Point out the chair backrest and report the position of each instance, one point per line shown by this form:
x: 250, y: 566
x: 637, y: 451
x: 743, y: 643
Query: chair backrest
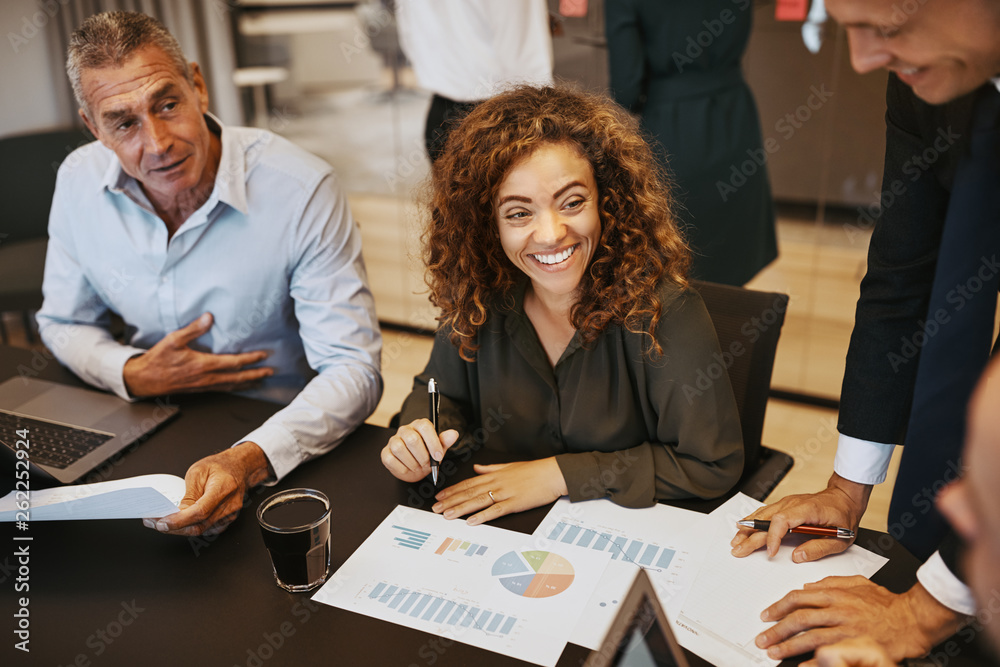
x: 748, y: 324
x: 28, y: 165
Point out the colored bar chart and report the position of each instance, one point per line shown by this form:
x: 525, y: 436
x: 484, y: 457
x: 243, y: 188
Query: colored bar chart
x: 633, y: 551
x: 428, y: 607
x: 452, y: 544
x: 411, y: 539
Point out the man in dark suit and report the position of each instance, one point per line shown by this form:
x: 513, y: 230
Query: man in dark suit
x: 946, y: 54
x: 972, y: 506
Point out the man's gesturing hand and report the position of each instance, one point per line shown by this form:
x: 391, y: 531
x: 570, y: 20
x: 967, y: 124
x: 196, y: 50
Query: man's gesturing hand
x: 171, y: 366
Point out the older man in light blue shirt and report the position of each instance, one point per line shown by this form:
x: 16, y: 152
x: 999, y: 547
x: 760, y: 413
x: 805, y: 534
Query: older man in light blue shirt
x: 230, y: 254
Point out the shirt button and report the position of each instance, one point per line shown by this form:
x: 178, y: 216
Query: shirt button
x: 163, y: 280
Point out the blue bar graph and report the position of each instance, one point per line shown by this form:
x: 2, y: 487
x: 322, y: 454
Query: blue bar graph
x: 648, y: 554
x: 396, y: 599
x: 571, y: 534
x: 412, y: 539
x: 428, y: 606
x: 444, y: 612
x: 433, y: 608
x: 633, y: 551
x: 495, y: 623
x: 618, y: 547
x: 409, y: 603
x: 557, y: 531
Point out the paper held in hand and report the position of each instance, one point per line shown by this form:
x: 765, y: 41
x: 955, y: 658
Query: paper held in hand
x: 147, y: 496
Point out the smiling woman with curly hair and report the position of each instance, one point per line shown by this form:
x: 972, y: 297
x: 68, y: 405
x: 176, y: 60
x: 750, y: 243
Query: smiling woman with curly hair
x: 570, y: 342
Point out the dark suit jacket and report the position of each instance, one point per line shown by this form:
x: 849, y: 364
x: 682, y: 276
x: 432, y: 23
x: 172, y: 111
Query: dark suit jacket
x: 924, y: 144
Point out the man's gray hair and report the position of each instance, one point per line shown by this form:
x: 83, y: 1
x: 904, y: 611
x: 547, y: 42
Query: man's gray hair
x: 111, y: 38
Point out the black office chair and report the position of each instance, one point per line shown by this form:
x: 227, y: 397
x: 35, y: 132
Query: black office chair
x: 28, y: 165
x: 748, y: 324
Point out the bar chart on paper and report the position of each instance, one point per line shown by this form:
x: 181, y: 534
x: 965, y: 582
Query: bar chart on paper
x: 477, y: 585
x: 646, y: 555
x: 659, y: 539
x: 429, y: 606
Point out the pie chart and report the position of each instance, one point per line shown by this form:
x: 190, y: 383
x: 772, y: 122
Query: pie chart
x: 533, y: 574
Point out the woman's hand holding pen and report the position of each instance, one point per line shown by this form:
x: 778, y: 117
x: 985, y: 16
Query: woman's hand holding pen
x: 501, y: 489
x: 408, y: 454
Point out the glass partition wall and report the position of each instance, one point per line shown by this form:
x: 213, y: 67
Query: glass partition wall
x: 345, y: 92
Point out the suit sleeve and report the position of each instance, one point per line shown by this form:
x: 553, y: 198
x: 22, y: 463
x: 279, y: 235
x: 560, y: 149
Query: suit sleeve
x: 882, y: 357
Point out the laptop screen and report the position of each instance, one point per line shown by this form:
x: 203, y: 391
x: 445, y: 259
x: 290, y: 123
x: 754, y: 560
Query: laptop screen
x: 640, y: 635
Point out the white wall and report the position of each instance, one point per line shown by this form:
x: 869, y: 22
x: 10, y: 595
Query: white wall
x: 28, y: 93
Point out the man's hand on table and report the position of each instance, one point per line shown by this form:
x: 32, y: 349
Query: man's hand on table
x: 838, y: 608
x: 841, y: 504
x: 171, y: 366
x: 217, y: 486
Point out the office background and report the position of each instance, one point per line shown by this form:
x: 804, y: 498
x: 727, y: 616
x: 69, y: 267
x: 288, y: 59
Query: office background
x: 330, y: 76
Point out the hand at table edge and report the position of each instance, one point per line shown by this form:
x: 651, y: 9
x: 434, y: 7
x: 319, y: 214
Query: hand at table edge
x: 907, y: 625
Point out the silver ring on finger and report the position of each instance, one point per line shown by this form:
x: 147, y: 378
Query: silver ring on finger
x: 491, y: 497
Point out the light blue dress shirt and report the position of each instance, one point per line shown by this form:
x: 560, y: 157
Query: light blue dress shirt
x: 274, y: 255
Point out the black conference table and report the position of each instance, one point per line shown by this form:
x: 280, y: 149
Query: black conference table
x: 116, y: 593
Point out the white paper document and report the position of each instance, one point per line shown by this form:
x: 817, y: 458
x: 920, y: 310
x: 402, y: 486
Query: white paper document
x: 712, y: 599
x: 499, y: 590
x: 664, y: 541
x: 147, y: 496
x: 721, y: 616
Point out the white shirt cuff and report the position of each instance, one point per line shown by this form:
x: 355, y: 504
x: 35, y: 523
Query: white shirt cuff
x: 280, y: 448
x: 862, y: 461
x: 112, y: 367
x: 945, y: 587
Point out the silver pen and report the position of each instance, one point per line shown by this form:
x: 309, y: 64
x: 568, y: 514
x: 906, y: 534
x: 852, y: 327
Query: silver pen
x: 435, y: 400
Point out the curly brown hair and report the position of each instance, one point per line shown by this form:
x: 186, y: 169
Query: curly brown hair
x: 640, y: 245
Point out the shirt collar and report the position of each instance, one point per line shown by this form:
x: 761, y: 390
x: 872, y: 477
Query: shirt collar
x: 996, y: 82
x: 230, y: 181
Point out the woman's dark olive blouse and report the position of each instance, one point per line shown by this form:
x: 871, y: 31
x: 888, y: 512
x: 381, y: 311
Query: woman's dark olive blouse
x: 622, y: 425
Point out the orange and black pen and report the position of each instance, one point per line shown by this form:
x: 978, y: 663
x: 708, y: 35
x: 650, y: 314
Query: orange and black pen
x: 804, y: 529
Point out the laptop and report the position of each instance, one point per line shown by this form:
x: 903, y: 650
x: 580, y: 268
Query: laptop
x: 70, y: 430
x: 640, y: 635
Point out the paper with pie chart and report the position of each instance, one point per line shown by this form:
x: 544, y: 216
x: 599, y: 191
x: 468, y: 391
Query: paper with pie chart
x: 662, y: 540
x: 497, y: 589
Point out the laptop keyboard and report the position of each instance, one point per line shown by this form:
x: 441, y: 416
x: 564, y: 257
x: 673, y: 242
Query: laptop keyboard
x: 53, y: 445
